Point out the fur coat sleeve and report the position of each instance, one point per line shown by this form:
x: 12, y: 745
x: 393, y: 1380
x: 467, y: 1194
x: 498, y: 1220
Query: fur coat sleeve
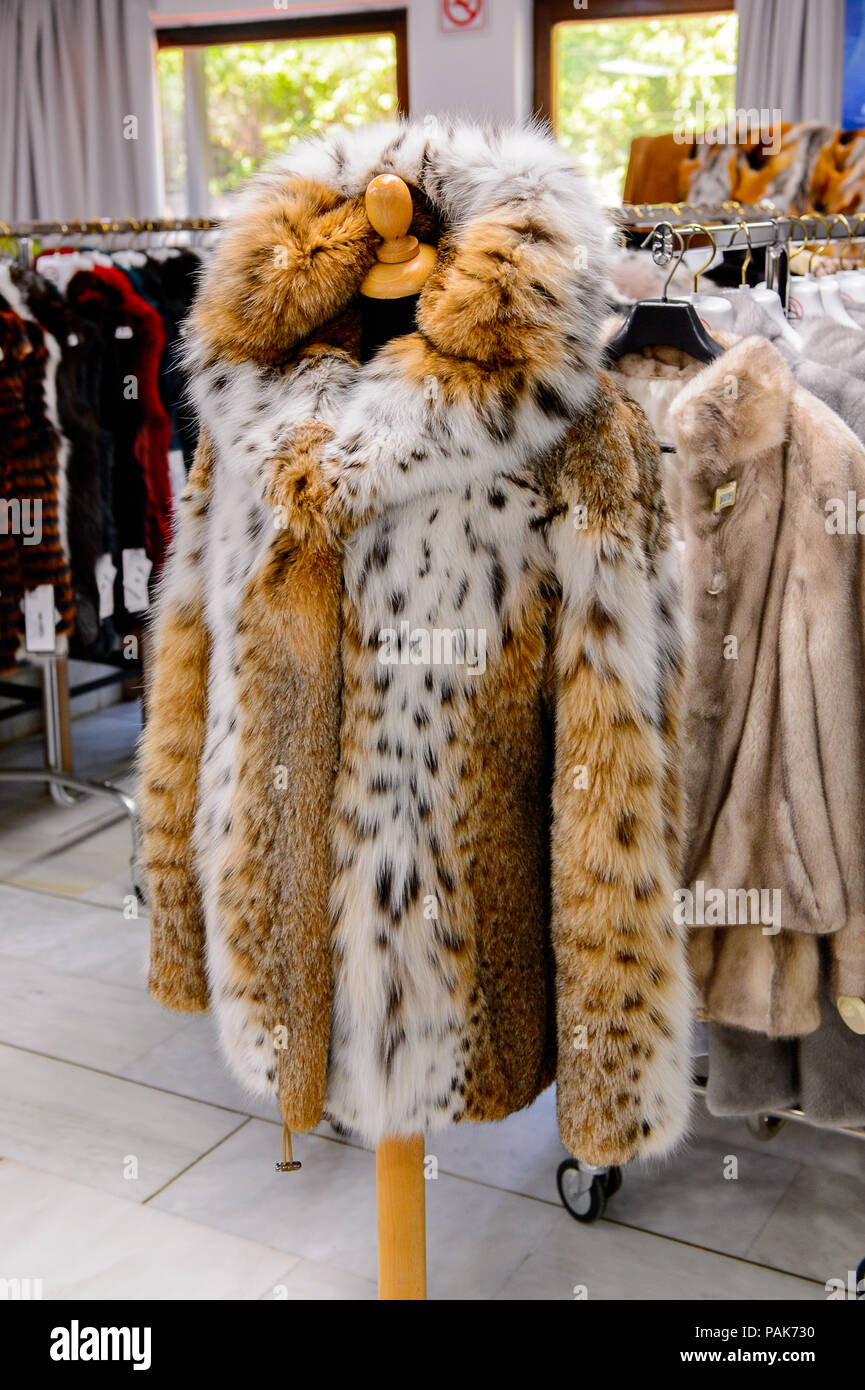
x: 172, y: 749
x: 824, y: 631
x: 623, y: 1001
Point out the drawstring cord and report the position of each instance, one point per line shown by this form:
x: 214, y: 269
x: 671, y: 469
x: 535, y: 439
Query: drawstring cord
x: 290, y: 1164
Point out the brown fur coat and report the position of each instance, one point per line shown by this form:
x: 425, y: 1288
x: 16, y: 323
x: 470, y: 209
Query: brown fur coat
x: 407, y: 878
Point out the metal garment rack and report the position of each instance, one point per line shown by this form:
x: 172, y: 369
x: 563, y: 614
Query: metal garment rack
x: 26, y: 233
x: 728, y: 225
x: 65, y: 787
x: 726, y: 220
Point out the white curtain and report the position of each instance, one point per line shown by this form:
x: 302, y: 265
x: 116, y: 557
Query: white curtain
x: 78, y: 130
x: 791, y: 58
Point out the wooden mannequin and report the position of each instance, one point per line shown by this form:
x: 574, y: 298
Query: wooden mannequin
x: 403, y: 264
x: 389, y: 297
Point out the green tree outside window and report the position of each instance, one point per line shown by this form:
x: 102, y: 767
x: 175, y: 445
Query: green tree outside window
x: 617, y: 79
x: 261, y: 98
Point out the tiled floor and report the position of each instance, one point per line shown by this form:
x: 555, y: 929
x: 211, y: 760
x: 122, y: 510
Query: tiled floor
x: 134, y: 1166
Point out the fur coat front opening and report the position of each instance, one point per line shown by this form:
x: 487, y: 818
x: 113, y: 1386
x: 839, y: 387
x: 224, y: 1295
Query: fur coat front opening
x: 415, y: 889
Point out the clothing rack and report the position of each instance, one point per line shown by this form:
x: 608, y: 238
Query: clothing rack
x: 726, y: 222
x: 101, y: 226
x: 733, y: 225
x: 65, y: 788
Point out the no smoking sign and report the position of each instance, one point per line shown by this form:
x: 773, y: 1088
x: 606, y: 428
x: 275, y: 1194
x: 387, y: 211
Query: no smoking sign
x: 457, y: 16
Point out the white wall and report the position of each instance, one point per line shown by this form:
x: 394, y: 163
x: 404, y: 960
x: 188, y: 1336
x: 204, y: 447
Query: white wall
x: 483, y: 73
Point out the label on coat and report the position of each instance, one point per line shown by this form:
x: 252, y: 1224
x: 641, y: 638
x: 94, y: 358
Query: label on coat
x: 105, y: 571
x: 39, y: 635
x: 136, y: 572
x: 176, y: 471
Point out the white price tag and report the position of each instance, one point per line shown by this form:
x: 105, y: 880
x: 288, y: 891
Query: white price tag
x: 106, y: 572
x: 123, y: 331
x: 136, y: 572
x: 39, y: 635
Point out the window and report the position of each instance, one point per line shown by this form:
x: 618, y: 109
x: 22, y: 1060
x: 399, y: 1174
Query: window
x: 233, y: 97
x: 854, y: 65
x: 607, y: 79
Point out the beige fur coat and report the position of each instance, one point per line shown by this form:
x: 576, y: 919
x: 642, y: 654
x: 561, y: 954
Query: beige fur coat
x: 775, y: 726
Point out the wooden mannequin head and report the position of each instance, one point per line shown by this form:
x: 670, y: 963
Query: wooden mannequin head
x: 403, y: 264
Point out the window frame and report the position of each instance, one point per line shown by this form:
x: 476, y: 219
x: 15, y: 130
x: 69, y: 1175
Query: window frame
x: 549, y: 13
x: 194, y: 38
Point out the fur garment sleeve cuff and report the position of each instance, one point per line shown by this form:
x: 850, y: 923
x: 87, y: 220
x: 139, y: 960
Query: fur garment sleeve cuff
x: 299, y: 487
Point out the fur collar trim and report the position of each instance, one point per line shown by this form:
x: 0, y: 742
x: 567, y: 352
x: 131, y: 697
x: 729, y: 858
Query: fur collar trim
x: 726, y: 414
x: 735, y: 410
x: 507, y: 347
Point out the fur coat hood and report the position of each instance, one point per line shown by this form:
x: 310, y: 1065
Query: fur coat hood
x: 775, y: 727
x: 410, y: 779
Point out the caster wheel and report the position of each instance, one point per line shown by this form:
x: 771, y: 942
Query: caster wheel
x: 765, y: 1127
x: 583, y: 1194
x: 860, y: 1281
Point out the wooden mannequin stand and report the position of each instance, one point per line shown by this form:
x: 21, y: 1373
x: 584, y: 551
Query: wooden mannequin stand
x: 401, y: 1198
x: 390, y: 292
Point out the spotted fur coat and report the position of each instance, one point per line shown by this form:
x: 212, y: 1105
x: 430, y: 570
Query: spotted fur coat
x: 406, y: 876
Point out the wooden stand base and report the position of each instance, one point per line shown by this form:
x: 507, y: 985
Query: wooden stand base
x: 401, y: 1196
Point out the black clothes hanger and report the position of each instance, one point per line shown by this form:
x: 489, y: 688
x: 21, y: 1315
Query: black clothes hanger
x: 672, y: 323
x: 669, y: 323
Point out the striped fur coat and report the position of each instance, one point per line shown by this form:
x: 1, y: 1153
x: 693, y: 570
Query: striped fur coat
x: 410, y: 782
